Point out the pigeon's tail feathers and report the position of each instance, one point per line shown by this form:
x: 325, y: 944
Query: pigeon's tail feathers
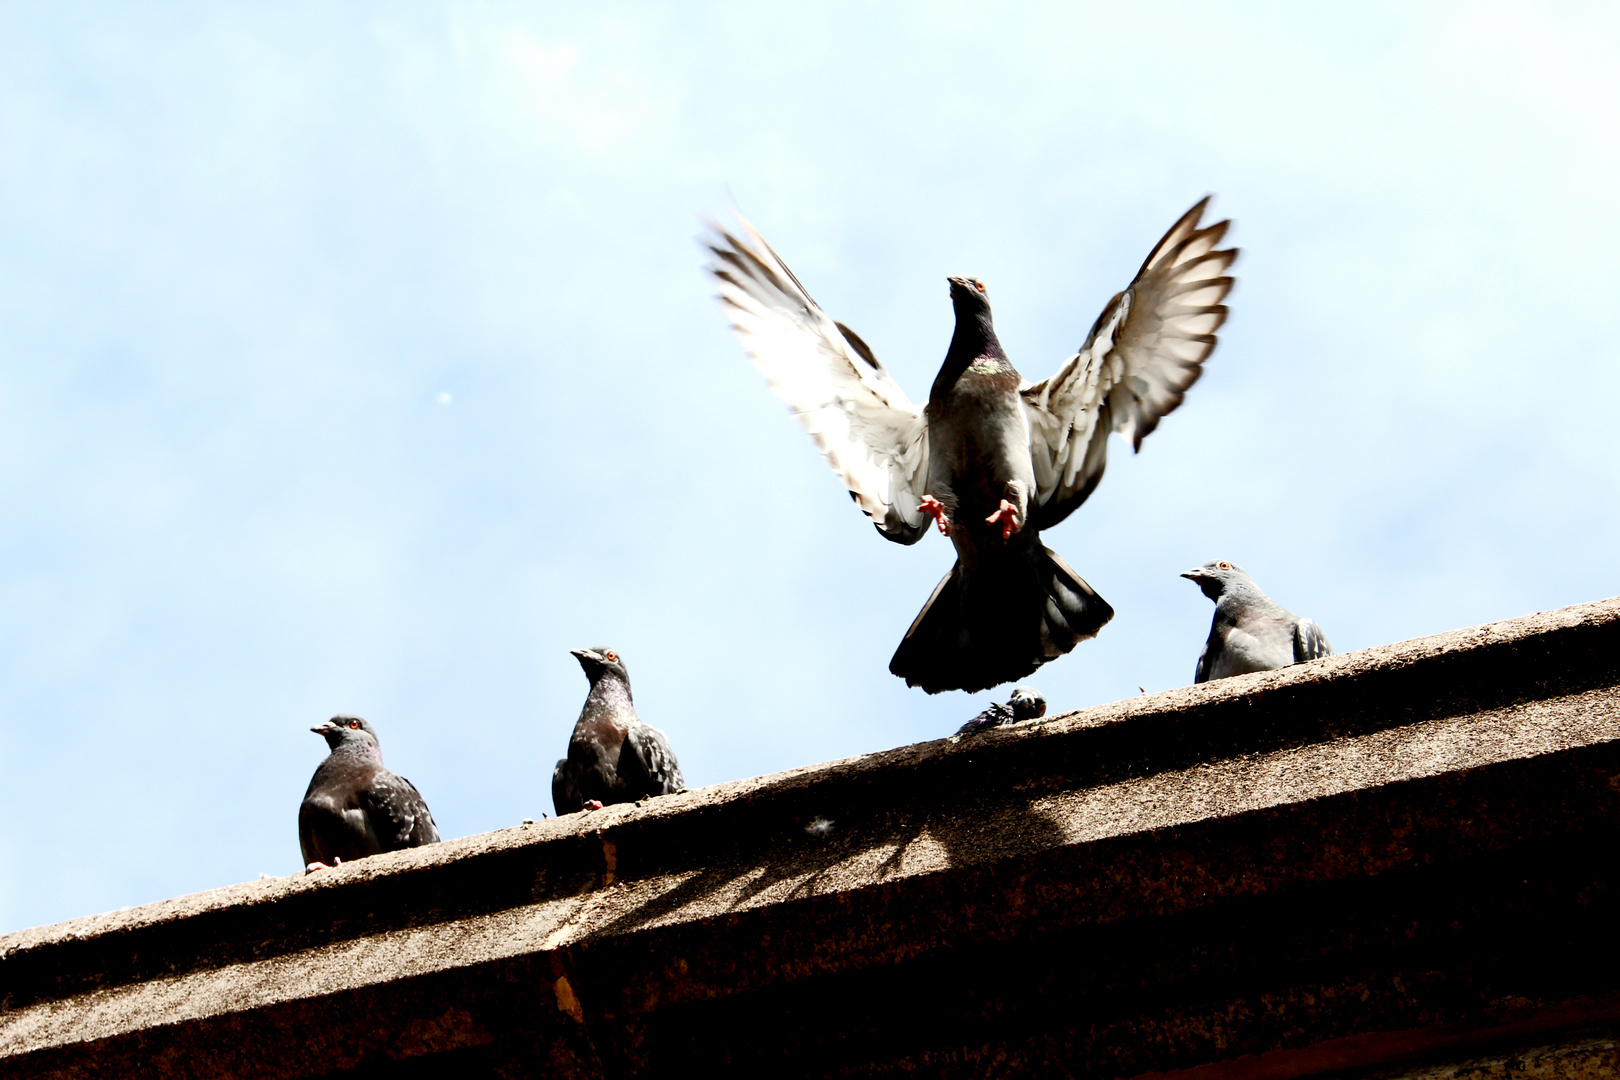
x: 1013, y: 617
x: 936, y: 639
x: 565, y: 796
x: 1072, y: 611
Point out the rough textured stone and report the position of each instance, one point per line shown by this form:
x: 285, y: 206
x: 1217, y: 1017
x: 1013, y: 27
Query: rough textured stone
x: 1348, y: 865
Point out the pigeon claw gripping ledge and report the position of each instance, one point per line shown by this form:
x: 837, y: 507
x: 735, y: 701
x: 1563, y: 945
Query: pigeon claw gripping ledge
x: 1007, y: 515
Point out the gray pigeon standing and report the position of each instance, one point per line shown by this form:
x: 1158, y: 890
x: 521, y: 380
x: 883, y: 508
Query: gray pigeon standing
x: 1250, y: 631
x: 991, y: 459
x: 1026, y: 703
x: 612, y: 756
x: 354, y: 807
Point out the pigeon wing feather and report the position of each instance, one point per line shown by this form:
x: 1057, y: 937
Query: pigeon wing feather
x: 1310, y: 643
x: 1145, y: 350
x: 398, y: 812
x: 871, y: 434
x: 647, y: 764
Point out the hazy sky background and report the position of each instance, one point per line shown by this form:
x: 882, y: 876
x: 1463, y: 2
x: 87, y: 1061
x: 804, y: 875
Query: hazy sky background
x: 245, y: 251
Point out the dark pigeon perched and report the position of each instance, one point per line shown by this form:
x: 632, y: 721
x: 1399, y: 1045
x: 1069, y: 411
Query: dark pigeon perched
x: 991, y: 459
x: 1250, y: 631
x: 1026, y: 703
x: 612, y: 757
x: 354, y: 807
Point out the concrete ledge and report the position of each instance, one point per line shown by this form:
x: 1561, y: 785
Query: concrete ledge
x: 1365, y: 861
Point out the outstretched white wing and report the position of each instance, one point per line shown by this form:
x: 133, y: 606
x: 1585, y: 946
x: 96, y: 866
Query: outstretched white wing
x: 1146, y: 348
x: 871, y: 434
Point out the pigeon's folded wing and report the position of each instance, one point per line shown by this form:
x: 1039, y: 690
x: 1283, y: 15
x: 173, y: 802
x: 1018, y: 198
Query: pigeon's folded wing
x: 647, y: 750
x: 995, y: 716
x: 1144, y: 351
x: 398, y: 812
x: 870, y: 433
x: 1310, y: 643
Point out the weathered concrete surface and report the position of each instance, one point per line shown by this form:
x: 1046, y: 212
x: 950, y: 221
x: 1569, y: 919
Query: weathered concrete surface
x: 1382, y: 862
x: 1576, y: 1059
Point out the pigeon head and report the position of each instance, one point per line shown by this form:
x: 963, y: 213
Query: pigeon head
x: 968, y: 295
x: 345, y: 731
x: 1027, y: 703
x: 600, y: 662
x: 973, y: 338
x: 1217, y: 577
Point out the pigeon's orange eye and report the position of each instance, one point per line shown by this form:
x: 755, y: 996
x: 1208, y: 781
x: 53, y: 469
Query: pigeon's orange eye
x: 611, y: 656
x: 979, y: 285
x: 355, y: 724
x: 1225, y: 565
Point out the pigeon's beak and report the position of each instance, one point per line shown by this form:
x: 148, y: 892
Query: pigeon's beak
x: 580, y: 654
x: 325, y: 729
x: 1195, y: 574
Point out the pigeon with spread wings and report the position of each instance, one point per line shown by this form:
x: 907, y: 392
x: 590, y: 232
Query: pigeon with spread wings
x: 991, y: 459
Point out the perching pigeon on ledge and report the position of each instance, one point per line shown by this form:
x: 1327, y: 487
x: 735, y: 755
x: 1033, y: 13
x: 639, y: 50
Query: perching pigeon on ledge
x: 612, y: 757
x: 1026, y: 703
x: 991, y: 459
x: 354, y: 807
x: 1250, y: 632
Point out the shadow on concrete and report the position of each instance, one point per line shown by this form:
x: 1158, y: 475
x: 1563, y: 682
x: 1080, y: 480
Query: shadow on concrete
x: 809, y: 854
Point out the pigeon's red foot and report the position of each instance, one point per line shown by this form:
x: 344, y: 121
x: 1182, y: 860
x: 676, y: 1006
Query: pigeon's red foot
x: 314, y: 866
x: 592, y: 804
x: 1007, y: 516
x: 936, y: 510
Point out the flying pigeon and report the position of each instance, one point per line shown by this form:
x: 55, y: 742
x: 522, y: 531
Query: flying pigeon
x: 991, y: 459
x: 1250, y: 631
x: 354, y: 807
x: 1026, y: 703
x: 612, y: 757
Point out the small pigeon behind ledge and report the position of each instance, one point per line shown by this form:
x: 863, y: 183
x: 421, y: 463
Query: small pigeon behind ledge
x: 1026, y: 703
x: 1250, y: 631
x: 612, y: 756
x: 354, y: 807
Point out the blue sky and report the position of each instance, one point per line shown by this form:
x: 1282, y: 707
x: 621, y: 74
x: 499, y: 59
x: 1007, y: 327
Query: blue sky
x: 248, y: 252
